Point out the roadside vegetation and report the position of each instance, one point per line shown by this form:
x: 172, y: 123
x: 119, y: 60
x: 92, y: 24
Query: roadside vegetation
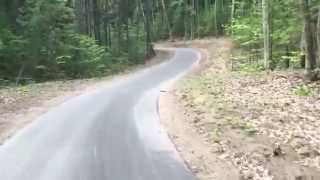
x: 71, y: 39
x: 264, y: 123
x: 255, y: 99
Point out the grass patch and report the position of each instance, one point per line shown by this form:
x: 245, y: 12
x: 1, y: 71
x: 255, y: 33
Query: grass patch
x: 303, y: 90
x: 249, y: 68
x: 247, y: 127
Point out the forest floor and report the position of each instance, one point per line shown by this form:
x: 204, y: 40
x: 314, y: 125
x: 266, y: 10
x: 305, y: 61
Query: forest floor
x: 235, y: 125
x: 20, y: 105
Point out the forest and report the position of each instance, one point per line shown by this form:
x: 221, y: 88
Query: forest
x: 95, y: 89
x: 44, y: 40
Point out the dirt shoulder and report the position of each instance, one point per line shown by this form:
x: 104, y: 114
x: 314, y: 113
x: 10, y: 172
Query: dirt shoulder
x: 19, y: 106
x: 235, y: 125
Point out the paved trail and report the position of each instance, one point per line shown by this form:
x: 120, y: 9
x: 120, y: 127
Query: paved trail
x: 112, y: 133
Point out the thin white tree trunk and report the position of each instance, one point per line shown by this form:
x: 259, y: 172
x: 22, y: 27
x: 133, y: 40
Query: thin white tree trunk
x: 318, y: 37
x: 266, y: 32
x: 233, y: 4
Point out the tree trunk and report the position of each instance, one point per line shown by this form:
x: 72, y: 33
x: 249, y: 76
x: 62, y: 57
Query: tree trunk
x: 318, y: 37
x: 309, y: 39
x: 96, y: 21
x: 233, y: 8
x: 165, y: 11
x: 149, y: 48
x: 266, y: 33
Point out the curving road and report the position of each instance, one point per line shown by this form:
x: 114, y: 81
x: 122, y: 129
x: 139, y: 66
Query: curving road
x: 110, y: 134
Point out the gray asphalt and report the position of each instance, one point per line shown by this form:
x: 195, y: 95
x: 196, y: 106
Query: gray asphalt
x: 112, y: 133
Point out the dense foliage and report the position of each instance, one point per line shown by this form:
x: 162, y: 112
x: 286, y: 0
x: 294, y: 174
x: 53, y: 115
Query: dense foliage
x: 287, y: 30
x: 54, y: 39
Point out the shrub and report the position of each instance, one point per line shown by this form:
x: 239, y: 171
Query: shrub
x: 303, y: 90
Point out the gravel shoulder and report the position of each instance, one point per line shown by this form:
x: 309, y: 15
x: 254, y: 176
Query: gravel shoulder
x: 21, y: 105
x: 236, y: 125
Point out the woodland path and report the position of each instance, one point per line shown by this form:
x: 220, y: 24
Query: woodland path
x: 112, y: 133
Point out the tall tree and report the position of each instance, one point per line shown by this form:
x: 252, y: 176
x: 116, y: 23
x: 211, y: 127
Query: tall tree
x: 309, y: 37
x: 147, y: 11
x: 266, y: 33
x: 167, y: 21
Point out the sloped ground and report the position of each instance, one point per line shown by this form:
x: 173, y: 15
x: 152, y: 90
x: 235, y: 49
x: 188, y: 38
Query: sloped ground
x: 261, y: 125
x: 20, y: 105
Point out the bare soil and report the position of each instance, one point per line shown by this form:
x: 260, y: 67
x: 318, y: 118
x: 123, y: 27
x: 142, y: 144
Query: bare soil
x: 235, y: 125
x: 19, y: 106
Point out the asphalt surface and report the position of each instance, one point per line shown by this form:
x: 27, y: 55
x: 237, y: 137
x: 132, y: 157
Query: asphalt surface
x: 112, y: 133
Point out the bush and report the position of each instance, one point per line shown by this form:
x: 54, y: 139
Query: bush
x: 86, y: 59
x: 251, y: 68
x: 247, y: 31
x: 303, y: 90
x: 11, y: 54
